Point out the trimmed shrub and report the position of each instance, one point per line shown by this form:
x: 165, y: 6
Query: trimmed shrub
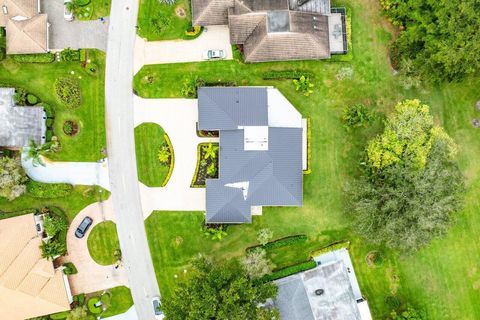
x: 331, y: 247
x: 32, y: 99
x: 49, y: 122
x: 79, y: 298
x: 20, y: 96
x: 48, y: 135
x: 286, y: 74
x: 82, y: 3
x: 288, y: 271
x: 83, y: 55
x: 70, y: 55
x: 69, y: 269
x: 282, y: 242
x: 60, y: 315
x: 34, y: 58
x: 48, y: 190
x: 49, y: 110
x: 68, y: 91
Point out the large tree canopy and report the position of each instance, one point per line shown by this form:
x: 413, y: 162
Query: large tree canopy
x: 221, y: 291
x: 440, y: 36
x: 411, y: 184
x: 12, y: 178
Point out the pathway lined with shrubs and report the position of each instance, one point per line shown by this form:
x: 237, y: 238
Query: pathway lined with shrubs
x: 178, y: 117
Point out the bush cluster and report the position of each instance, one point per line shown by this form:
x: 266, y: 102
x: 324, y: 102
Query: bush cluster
x: 34, y: 58
x: 282, y: 242
x: 285, y: 272
x: 286, y: 74
x: 48, y: 190
x: 70, y: 55
x: 69, y: 268
x: 68, y: 91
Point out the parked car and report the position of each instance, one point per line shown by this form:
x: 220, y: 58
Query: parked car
x: 157, y: 308
x: 214, y: 54
x: 83, y: 227
x: 67, y: 13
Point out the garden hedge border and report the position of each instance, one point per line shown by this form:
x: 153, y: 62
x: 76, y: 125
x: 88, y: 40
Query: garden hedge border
x: 288, y: 271
x: 172, y: 159
x: 197, y: 167
x: 309, y: 147
x: 281, y: 242
x: 34, y: 58
x: 331, y: 247
x: 286, y: 74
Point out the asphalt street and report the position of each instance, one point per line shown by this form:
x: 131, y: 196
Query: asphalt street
x: 121, y: 155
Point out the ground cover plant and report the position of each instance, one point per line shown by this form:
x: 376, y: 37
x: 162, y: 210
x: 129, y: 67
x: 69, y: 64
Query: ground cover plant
x: 207, y: 164
x: 103, y: 244
x: 441, y: 278
x: 39, y: 79
x: 154, y: 154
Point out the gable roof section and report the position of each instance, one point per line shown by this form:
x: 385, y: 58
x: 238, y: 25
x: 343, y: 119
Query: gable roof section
x: 29, y: 285
x: 210, y: 12
x: 18, y: 8
x: 228, y: 108
x: 27, y: 36
x: 241, y: 26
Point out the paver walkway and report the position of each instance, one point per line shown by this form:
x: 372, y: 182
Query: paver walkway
x: 91, y: 276
x: 174, y: 51
x: 76, y: 173
x: 178, y: 117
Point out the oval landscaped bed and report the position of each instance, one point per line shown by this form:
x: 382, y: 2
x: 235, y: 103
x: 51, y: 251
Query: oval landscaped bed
x: 70, y: 128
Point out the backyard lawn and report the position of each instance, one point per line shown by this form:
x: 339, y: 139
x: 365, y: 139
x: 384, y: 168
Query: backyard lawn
x: 39, y: 79
x: 159, y: 21
x: 149, y: 139
x: 443, y: 279
x: 103, y: 243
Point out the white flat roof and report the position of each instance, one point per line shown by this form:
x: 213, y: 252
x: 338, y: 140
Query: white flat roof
x: 255, y: 138
x: 281, y: 113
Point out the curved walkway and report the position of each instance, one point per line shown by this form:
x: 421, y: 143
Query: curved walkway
x: 91, y: 276
x: 76, y: 173
x: 178, y: 117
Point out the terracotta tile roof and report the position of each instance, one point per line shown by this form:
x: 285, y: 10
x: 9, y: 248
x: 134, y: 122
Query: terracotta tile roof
x: 27, y: 36
x: 210, y: 12
x: 29, y: 285
x: 18, y: 8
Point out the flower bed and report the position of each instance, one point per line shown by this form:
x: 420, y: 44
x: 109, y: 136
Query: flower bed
x: 207, y: 164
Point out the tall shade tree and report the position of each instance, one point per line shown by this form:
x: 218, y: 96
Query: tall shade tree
x: 220, y: 291
x: 411, y: 184
x: 12, y: 178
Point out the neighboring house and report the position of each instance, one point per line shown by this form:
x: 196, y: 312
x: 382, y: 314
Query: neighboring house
x: 328, y: 292
x: 273, y: 30
x: 29, y: 284
x: 19, y: 125
x: 26, y: 27
x: 261, y: 154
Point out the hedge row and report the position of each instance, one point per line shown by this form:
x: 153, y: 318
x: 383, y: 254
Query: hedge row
x: 286, y: 74
x: 331, y: 247
x: 34, y: 58
x: 48, y: 190
x: 309, y: 147
x: 282, y: 242
x: 288, y: 271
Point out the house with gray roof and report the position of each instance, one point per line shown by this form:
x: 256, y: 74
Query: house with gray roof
x: 328, y: 292
x: 261, y: 152
x: 19, y: 125
x: 273, y: 30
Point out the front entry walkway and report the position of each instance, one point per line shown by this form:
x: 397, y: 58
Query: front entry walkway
x: 174, y: 51
x: 91, y: 276
x: 178, y: 117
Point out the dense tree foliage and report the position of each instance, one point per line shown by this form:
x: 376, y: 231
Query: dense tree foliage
x: 256, y: 263
x: 408, y: 314
x: 440, y: 36
x: 219, y: 291
x: 411, y: 184
x: 12, y: 178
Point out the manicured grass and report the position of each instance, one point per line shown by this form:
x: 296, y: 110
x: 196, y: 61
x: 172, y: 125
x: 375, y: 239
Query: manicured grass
x: 443, y: 278
x: 101, y: 8
x: 103, y: 242
x: 149, y: 138
x: 39, y: 79
x: 120, y: 302
x: 174, y: 27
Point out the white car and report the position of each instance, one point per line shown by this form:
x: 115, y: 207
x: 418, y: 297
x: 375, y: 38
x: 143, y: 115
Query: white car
x: 214, y: 54
x: 157, y: 308
x: 67, y: 14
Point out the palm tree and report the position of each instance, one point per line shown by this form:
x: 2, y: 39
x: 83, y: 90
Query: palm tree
x: 164, y: 155
x: 34, y: 152
x: 211, y: 151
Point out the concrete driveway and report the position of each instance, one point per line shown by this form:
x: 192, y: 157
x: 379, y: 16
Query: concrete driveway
x: 178, y: 117
x: 174, y: 51
x: 73, y: 34
x: 91, y: 276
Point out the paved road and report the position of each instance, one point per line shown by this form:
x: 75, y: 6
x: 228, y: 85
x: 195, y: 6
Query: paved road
x: 121, y: 154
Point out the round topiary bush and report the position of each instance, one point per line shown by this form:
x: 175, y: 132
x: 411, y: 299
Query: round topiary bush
x: 70, y: 128
x: 91, y: 305
x: 31, y: 99
x: 68, y: 92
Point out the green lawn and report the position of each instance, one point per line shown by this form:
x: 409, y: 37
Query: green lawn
x: 120, y: 302
x: 39, y: 79
x: 103, y: 242
x: 101, y: 8
x: 149, y: 138
x: 158, y: 21
x: 443, y: 278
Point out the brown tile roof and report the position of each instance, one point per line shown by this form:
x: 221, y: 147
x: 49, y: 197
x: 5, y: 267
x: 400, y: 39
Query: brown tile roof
x: 241, y: 26
x: 27, y: 36
x: 266, y: 5
x: 210, y: 12
x: 18, y: 8
x: 29, y: 285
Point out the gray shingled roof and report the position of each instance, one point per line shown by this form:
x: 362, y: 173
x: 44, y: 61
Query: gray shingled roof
x: 19, y: 125
x: 274, y: 176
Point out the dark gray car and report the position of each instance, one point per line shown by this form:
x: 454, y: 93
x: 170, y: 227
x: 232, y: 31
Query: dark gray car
x: 83, y: 227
